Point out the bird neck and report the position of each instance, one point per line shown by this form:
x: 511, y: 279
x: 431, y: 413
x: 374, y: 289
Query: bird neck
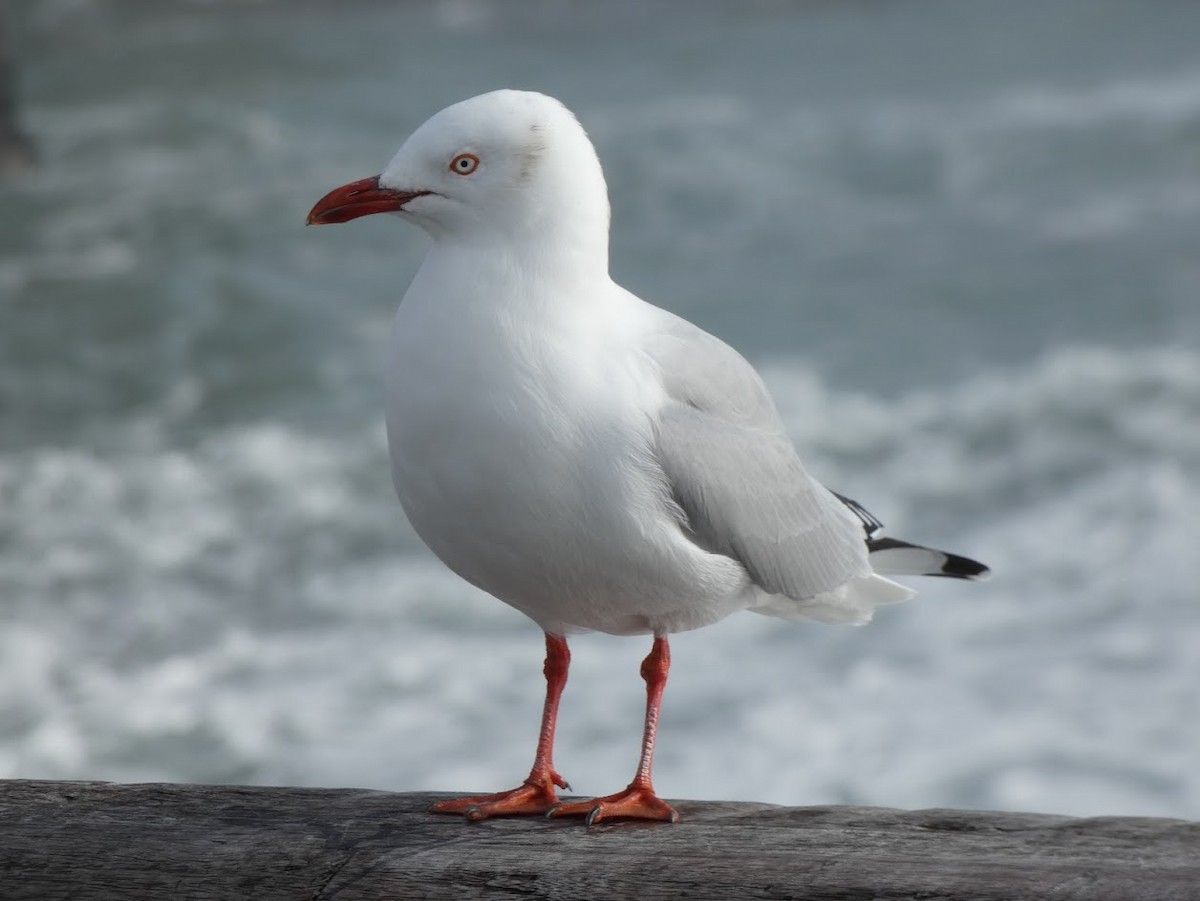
x: 560, y: 254
x: 512, y: 278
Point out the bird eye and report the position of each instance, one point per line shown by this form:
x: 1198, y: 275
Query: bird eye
x: 464, y: 164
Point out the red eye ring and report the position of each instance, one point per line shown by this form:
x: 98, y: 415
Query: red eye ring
x: 464, y: 164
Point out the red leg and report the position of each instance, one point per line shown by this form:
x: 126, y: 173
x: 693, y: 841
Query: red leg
x: 638, y: 800
x: 536, y: 795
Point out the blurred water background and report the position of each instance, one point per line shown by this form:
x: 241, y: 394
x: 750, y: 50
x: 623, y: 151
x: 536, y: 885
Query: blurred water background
x: 960, y: 239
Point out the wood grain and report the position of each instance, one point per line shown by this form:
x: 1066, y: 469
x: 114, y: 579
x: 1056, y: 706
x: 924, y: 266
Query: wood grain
x: 98, y: 841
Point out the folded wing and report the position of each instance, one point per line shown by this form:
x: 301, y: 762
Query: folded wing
x: 736, y: 477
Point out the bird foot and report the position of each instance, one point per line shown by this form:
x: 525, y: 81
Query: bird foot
x: 531, y: 798
x: 636, y: 802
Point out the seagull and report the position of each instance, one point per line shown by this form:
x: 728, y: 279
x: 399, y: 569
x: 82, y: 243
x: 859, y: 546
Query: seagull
x: 592, y: 460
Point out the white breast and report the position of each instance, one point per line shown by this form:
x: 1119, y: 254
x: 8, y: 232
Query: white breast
x: 521, y: 453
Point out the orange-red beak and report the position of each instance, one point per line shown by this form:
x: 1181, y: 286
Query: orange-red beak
x: 359, y: 198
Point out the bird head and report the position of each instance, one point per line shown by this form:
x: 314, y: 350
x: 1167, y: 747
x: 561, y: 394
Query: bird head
x: 506, y: 166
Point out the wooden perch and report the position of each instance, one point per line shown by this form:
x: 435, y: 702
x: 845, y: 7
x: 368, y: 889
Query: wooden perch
x: 98, y: 841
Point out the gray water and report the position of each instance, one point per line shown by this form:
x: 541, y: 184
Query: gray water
x: 959, y: 239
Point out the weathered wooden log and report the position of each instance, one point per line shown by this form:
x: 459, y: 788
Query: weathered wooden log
x: 97, y: 841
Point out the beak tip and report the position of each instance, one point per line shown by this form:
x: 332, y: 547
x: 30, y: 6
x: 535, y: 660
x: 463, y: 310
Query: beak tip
x: 361, y: 198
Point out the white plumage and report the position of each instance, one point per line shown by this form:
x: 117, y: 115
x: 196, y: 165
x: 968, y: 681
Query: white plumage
x: 590, y: 459
x: 546, y: 426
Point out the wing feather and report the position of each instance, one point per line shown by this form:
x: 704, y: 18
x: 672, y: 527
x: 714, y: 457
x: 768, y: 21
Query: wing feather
x: 737, y: 478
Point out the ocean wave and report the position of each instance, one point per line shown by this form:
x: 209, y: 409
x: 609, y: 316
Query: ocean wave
x: 252, y: 608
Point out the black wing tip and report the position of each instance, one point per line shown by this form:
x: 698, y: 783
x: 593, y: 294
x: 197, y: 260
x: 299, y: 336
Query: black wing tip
x: 954, y: 566
x: 957, y: 567
x: 870, y: 522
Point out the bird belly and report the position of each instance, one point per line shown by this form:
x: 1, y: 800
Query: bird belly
x: 529, y: 485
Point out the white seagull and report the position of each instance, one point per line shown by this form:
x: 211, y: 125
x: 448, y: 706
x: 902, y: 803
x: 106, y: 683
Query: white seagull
x: 590, y: 459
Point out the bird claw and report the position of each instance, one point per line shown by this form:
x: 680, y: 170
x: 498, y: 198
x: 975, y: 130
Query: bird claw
x: 635, y: 803
x: 524, y: 800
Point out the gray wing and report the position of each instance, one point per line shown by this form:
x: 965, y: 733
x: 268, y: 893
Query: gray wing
x: 736, y: 477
